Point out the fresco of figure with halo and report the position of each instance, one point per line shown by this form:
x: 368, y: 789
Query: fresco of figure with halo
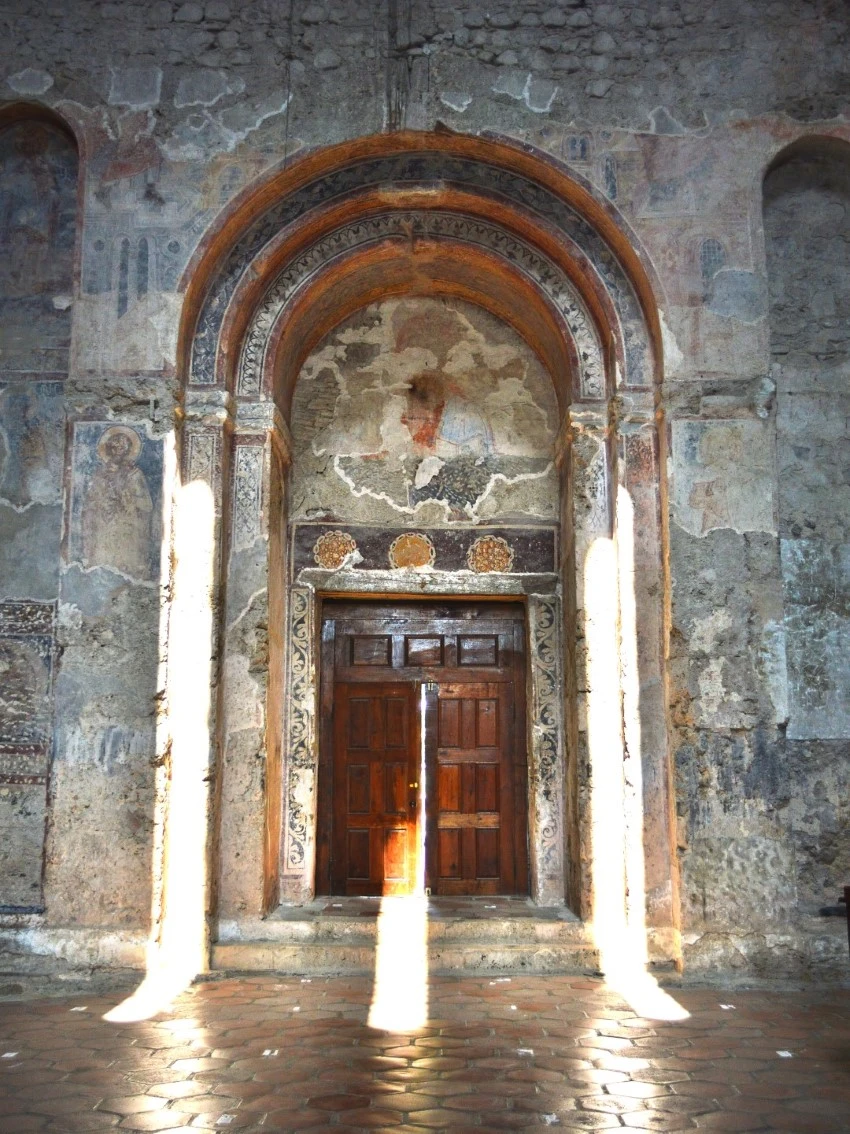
x: 116, y: 499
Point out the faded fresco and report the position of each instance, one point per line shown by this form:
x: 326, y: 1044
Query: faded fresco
x: 724, y: 476
x: 115, y: 508
x: 424, y: 409
x: 31, y: 443
x: 38, y: 202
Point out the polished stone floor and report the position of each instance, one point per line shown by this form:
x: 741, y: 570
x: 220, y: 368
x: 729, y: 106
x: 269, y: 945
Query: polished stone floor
x: 269, y: 1053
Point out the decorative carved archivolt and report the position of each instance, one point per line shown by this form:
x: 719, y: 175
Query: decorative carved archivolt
x: 400, y: 225
x: 423, y: 169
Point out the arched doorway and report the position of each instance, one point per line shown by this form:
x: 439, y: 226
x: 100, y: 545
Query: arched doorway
x: 484, y: 224
x: 423, y: 431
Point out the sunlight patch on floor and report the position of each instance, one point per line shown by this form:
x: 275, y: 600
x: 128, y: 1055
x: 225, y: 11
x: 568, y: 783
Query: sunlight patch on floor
x: 400, y: 992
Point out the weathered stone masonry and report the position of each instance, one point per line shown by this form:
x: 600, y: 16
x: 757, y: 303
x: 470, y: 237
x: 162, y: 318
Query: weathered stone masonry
x: 650, y: 243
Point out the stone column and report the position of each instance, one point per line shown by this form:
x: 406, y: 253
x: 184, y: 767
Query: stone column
x: 254, y: 637
x: 188, y: 885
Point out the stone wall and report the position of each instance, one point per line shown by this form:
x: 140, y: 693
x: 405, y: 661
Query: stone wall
x: 671, y: 112
x: 807, y: 230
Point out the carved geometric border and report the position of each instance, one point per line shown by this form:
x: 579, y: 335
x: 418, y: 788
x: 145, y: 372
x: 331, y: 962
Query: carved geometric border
x: 424, y: 168
x: 300, y: 753
x: 555, y: 284
x: 546, y: 763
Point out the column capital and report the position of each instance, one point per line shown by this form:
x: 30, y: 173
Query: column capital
x: 636, y: 409
x: 592, y: 419
x: 207, y: 409
x: 266, y: 420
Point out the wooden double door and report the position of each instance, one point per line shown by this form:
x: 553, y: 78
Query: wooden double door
x: 422, y: 779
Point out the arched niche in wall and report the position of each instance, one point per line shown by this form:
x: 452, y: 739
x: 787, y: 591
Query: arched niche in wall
x: 38, y: 209
x: 807, y: 233
x: 471, y: 221
x: 38, y: 212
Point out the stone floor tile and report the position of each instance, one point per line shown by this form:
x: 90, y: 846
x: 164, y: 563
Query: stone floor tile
x: 155, y: 1120
x: 131, y: 1104
x: 656, y: 1120
x: 487, y: 1067
x: 727, y: 1120
x: 587, y: 1120
x: 180, y: 1089
x: 639, y: 1090
x: 611, y: 1104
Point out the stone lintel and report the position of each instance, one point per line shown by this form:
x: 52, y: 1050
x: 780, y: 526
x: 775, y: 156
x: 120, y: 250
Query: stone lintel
x: 427, y: 582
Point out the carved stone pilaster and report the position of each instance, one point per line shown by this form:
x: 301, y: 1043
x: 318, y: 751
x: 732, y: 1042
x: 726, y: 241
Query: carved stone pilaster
x: 266, y: 420
x: 546, y: 764
x: 591, y: 472
x: 300, y: 747
x: 207, y: 420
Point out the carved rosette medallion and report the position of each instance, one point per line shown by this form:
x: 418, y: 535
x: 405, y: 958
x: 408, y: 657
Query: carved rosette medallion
x: 333, y: 548
x: 490, y: 553
x: 412, y: 550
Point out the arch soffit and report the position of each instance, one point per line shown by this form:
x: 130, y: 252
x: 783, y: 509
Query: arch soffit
x: 441, y: 269
x: 572, y: 255
x: 430, y: 252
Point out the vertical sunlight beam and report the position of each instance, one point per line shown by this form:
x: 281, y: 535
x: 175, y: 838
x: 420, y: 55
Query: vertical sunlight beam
x: 633, y: 754
x: 182, y: 948
x: 604, y: 739
x: 400, y: 992
x: 614, y: 741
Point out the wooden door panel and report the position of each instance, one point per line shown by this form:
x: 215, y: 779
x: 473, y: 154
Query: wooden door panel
x: 359, y: 793
x: 475, y: 817
x: 487, y: 723
x: 376, y: 657
x: 396, y: 722
x: 448, y: 787
x: 396, y: 854
x: 448, y: 716
x: 359, y: 856
x: 396, y: 789
x: 376, y: 755
x: 487, y: 787
x: 487, y: 854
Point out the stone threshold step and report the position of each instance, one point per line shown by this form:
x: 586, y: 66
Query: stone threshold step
x: 359, y: 957
x: 345, y: 930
